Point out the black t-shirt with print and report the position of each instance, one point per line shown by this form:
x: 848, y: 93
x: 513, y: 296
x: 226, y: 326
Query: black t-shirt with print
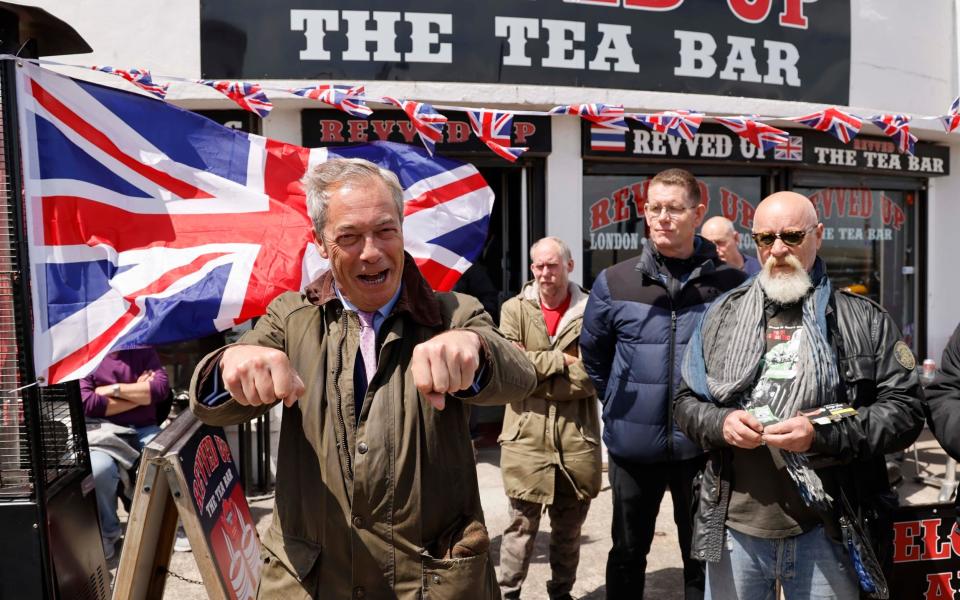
x: 764, y: 501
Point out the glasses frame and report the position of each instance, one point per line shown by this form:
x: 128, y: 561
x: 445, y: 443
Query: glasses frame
x: 663, y: 209
x: 779, y: 236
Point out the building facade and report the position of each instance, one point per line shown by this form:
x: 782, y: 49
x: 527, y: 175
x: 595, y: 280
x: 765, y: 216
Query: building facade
x: 890, y: 217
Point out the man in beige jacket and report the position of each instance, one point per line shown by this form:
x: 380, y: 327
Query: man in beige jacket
x: 550, y: 442
x: 377, y: 491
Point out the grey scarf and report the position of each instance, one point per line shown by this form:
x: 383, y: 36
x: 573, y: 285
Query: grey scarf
x: 723, y: 359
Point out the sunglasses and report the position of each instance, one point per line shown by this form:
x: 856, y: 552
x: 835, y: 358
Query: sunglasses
x: 790, y: 237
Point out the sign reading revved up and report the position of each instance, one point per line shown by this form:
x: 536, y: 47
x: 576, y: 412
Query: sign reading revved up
x: 783, y: 49
x: 804, y: 147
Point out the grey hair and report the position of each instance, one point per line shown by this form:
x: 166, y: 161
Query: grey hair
x: 562, y: 245
x: 323, y: 179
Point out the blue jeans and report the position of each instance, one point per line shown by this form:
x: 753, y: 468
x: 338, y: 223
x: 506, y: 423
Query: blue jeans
x: 809, y: 565
x: 106, y: 478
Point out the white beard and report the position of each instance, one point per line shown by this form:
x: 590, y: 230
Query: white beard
x: 785, y: 288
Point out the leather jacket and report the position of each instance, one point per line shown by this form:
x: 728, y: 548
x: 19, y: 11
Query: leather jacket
x: 878, y: 379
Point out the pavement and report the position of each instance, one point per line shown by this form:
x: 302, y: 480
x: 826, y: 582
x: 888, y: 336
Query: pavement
x: 921, y: 485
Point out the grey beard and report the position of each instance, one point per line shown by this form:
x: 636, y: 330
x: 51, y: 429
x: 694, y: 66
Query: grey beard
x: 785, y: 289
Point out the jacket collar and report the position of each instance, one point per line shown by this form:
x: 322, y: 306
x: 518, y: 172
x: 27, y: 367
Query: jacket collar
x: 416, y: 296
x: 704, y: 257
x: 578, y: 302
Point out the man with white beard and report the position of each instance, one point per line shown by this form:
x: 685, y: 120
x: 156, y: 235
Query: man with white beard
x: 797, y: 390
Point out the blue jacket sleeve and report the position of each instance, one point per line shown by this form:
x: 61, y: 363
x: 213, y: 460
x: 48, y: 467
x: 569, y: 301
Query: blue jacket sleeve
x: 597, y: 338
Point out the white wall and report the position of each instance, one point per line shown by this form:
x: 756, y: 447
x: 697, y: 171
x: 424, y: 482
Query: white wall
x: 565, y: 189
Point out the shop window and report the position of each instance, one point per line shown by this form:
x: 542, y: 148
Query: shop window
x: 870, y: 245
x: 613, y: 214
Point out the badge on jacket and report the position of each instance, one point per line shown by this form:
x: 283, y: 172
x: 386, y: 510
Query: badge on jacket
x: 904, y: 356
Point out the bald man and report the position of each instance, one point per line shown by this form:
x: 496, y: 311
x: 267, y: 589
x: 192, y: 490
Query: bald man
x: 789, y: 482
x: 726, y: 238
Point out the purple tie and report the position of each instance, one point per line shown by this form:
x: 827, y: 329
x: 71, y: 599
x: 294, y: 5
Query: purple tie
x: 368, y: 343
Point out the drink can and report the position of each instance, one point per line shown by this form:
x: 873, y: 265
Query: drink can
x: 929, y: 367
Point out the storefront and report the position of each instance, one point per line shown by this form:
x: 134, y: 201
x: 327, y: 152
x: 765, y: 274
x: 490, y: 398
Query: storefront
x: 869, y: 197
x: 890, y: 217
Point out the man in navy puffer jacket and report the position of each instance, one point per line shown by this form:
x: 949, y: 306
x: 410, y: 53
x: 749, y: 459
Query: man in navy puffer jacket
x: 639, y: 317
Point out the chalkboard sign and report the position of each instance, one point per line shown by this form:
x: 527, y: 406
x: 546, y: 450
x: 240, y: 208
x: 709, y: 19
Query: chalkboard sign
x: 188, y: 470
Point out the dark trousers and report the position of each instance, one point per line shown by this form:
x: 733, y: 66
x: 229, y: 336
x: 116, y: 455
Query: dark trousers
x: 637, y: 491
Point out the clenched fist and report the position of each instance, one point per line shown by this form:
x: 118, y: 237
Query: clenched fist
x: 445, y: 364
x: 255, y: 375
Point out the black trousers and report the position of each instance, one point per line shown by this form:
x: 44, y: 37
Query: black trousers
x: 637, y: 491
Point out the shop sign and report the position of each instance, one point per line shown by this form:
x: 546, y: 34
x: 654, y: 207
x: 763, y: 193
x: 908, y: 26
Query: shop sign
x: 804, y: 147
x: 926, y: 553
x: 780, y: 49
x: 335, y: 128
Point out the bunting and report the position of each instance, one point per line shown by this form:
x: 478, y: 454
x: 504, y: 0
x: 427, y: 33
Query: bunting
x: 680, y: 123
x: 344, y: 97
x: 494, y: 128
x: 608, y: 115
x: 759, y: 134
x: 834, y: 121
x: 138, y: 77
x: 951, y: 120
x: 898, y: 128
x: 248, y: 96
x: 426, y: 120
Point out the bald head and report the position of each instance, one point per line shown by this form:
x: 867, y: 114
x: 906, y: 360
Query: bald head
x: 717, y: 227
x: 789, y: 211
x: 721, y: 232
x: 791, y: 206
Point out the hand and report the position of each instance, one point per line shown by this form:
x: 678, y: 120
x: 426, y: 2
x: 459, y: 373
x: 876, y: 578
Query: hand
x: 569, y: 360
x: 520, y: 346
x: 255, y: 375
x: 104, y: 390
x: 445, y: 364
x: 147, y: 376
x: 795, y: 434
x: 743, y: 430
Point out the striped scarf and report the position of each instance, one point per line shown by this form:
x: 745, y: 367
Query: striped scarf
x: 724, y: 354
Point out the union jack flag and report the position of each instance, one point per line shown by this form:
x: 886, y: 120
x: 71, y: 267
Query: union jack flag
x: 834, y: 121
x: 792, y: 149
x: 345, y: 97
x: 759, y: 134
x: 149, y: 224
x: 493, y: 128
x: 952, y: 119
x: 608, y: 115
x: 138, y: 77
x: 248, y: 96
x: 680, y: 123
x: 427, y: 121
x: 898, y: 128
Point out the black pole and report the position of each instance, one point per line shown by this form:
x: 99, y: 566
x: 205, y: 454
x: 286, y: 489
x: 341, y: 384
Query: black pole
x: 23, y: 308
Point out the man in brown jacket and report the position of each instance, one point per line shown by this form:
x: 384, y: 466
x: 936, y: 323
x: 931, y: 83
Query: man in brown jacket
x: 376, y: 491
x: 550, y: 442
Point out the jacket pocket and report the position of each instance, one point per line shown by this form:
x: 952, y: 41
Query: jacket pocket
x: 288, y: 566
x: 512, y: 432
x: 457, y: 578
x: 858, y: 368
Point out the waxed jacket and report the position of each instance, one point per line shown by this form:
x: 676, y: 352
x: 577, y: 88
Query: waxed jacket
x: 556, y: 429
x: 374, y: 505
x: 877, y: 378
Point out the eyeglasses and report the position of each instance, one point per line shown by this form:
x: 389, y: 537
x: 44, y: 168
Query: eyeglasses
x: 790, y: 237
x: 673, y: 212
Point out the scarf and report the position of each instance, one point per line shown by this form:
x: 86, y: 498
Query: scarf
x: 723, y: 359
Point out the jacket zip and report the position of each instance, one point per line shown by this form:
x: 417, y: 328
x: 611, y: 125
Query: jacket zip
x: 336, y: 386
x: 673, y: 349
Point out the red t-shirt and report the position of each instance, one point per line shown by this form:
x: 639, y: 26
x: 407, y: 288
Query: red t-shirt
x: 552, y: 316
